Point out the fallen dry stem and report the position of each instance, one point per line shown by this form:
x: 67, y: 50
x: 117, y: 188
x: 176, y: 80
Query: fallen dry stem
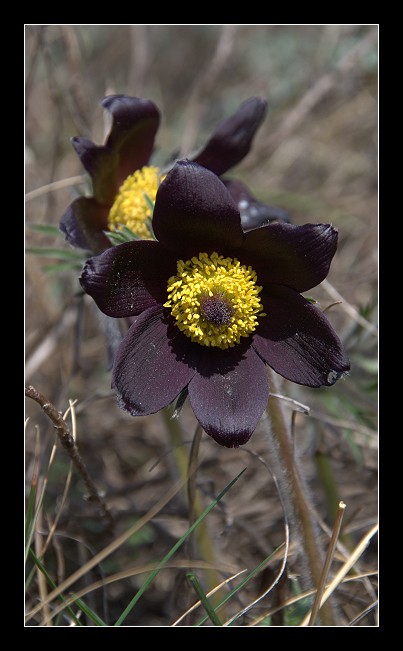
x: 67, y: 440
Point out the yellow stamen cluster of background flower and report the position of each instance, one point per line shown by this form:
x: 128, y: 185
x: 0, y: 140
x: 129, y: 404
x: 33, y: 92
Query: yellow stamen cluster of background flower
x: 210, y: 276
x: 130, y: 207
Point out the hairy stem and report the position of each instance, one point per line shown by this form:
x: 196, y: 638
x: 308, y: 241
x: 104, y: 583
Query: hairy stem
x: 297, y: 498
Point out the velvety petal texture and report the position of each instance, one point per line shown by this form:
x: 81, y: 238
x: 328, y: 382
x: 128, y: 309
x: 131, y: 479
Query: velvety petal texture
x: 154, y: 363
x: 229, y: 393
x: 286, y: 254
x: 134, y: 127
x: 297, y: 340
x: 253, y: 212
x: 232, y: 139
x: 194, y: 212
x: 127, y: 279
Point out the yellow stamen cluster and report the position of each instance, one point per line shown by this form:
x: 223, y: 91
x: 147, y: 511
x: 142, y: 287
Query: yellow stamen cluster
x: 130, y: 207
x: 215, y: 300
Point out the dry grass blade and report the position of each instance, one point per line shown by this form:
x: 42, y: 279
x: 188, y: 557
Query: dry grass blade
x: 308, y: 593
x: 135, y: 571
x: 55, y: 185
x: 329, y: 557
x: 209, y: 594
x: 364, y: 613
x: 286, y: 547
x: 109, y: 549
x: 350, y: 309
x: 358, y: 551
x: 67, y: 483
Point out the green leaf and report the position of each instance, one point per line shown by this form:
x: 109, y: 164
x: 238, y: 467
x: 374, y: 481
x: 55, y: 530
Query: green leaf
x: 124, y: 234
x: 62, y: 254
x: 30, y: 517
x: 174, y: 549
x: 195, y: 583
x: 149, y: 202
x: 46, y: 229
x: 63, y: 266
x: 240, y: 585
x: 53, y: 585
x: 149, y: 225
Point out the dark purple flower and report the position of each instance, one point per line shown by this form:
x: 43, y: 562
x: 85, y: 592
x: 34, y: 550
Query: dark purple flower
x: 212, y: 305
x: 121, y: 175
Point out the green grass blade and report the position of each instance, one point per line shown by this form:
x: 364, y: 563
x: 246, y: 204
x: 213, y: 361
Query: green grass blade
x: 62, y: 254
x: 90, y: 613
x: 149, y: 202
x: 52, y: 584
x: 115, y: 237
x: 195, y: 583
x: 30, y: 514
x: 46, y: 229
x: 63, y: 266
x: 240, y: 585
x: 175, y: 548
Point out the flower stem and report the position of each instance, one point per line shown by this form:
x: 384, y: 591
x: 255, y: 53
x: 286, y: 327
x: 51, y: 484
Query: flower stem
x: 297, y: 499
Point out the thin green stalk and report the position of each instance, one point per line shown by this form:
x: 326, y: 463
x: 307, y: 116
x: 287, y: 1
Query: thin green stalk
x: 297, y: 498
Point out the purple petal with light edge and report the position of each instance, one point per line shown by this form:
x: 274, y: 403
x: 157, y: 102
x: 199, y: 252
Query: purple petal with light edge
x: 298, y: 341
x: 229, y: 393
x: 129, y: 278
x: 154, y: 363
x: 194, y: 212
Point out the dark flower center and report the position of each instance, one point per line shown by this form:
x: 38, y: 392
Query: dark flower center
x: 216, y: 309
x: 215, y: 300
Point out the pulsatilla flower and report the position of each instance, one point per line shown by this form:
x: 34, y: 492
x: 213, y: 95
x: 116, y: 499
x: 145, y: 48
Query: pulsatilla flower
x: 125, y: 185
x: 213, y: 305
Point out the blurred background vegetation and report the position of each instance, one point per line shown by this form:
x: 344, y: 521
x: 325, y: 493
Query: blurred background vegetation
x: 316, y: 156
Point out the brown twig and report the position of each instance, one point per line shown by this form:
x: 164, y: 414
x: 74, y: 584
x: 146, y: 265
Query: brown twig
x: 67, y: 440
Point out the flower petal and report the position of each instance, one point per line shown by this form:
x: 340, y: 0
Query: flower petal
x: 229, y: 393
x: 129, y: 278
x: 135, y: 124
x: 101, y: 164
x: 286, y: 254
x: 232, y: 139
x: 254, y: 213
x: 297, y: 340
x: 83, y: 224
x: 154, y: 363
x: 194, y: 212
